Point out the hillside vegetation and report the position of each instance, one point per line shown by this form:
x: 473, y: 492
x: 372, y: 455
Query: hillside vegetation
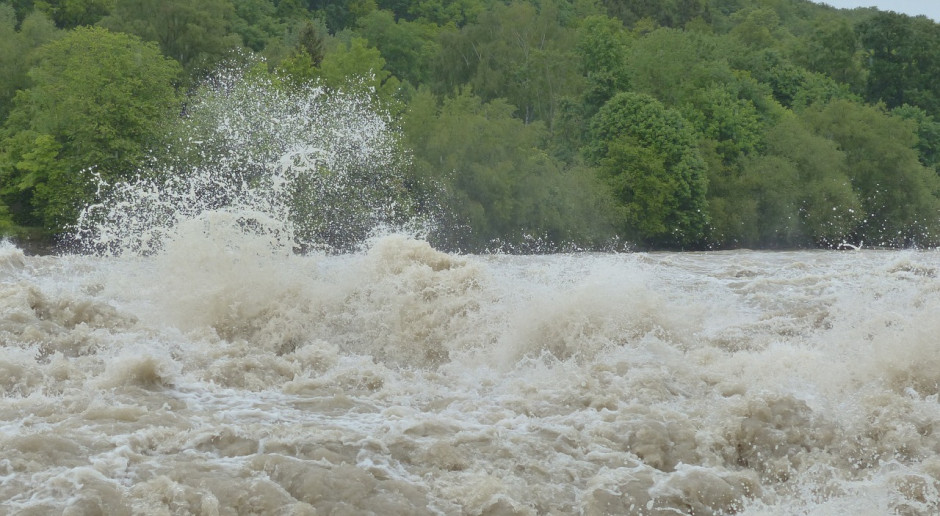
x: 539, y: 125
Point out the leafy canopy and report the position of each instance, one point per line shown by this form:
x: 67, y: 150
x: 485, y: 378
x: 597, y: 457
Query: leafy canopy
x: 96, y: 99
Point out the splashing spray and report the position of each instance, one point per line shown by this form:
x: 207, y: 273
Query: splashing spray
x: 301, y: 167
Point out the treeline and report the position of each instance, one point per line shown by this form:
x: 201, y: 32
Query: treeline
x: 679, y: 124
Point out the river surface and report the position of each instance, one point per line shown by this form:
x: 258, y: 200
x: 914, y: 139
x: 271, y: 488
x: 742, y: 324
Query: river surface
x: 228, y: 379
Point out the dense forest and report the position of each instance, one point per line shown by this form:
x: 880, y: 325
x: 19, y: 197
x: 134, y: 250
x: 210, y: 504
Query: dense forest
x: 556, y: 124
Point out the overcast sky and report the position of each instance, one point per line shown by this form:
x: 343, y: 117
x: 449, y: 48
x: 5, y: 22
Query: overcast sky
x: 931, y: 8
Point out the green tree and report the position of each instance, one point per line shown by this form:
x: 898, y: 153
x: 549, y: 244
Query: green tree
x: 73, y: 13
x: 650, y: 157
x: 446, y: 12
x: 671, y: 64
x: 306, y: 54
x: 668, y: 13
x: 791, y: 85
x: 257, y: 22
x: 833, y: 49
x: 310, y: 40
x: 928, y: 134
x: 758, y: 27
x: 6, y: 220
x: 16, y: 47
x: 341, y: 15
x: 350, y: 66
x: 196, y: 34
x: 733, y: 123
x: 357, y: 65
x: 803, y: 190
x: 602, y: 48
x: 497, y: 183
x: 903, y: 56
x: 795, y: 191
x: 898, y: 194
x: 517, y: 52
x: 408, y: 47
x: 96, y: 100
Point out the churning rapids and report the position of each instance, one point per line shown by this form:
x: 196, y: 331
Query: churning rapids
x: 196, y: 363
x: 402, y: 380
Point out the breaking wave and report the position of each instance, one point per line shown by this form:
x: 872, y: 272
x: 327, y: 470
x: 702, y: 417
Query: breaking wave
x: 199, y: 364
x: 304, y: 167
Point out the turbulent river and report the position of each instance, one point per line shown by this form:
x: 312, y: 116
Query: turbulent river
x: 219, y: 379
x: 214, y: 348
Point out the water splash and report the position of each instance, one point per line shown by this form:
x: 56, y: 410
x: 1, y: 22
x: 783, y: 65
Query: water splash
x: 302, y: 167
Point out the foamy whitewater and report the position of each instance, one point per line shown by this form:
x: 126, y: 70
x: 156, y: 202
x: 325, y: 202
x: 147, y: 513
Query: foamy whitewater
x: 402, y: 380
x: 217, y: 353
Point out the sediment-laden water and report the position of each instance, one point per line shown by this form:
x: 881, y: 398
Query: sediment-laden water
x: 223, y: 343
x: 221, y: 377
